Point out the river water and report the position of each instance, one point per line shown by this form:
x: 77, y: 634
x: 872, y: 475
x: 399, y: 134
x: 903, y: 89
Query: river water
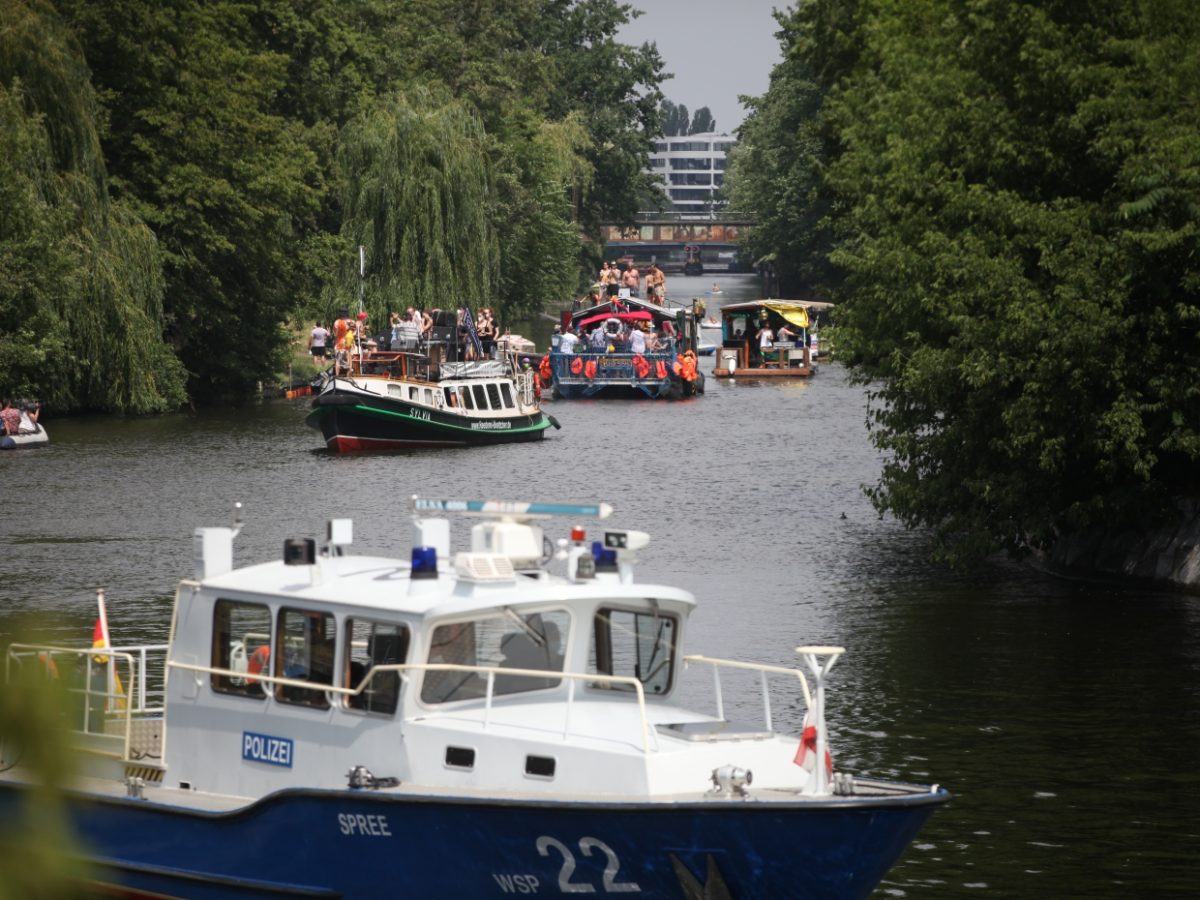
x: 1064, y: 716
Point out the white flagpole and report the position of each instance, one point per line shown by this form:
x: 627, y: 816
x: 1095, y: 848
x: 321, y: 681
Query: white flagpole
x: 362, y: 274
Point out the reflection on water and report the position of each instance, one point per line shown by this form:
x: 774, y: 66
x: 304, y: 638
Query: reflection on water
x: 1063, y: 716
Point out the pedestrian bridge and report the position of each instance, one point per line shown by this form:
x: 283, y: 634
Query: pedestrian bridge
x: 680, y: 242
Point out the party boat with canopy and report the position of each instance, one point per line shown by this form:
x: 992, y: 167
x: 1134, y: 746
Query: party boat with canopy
x: 741, y: 353
x: 604, y: 364
x: 502, y: 719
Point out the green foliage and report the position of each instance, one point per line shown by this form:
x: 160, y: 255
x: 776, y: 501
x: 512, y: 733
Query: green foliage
x: 677, y: 124
x: 675, y: 119
x: 191, y: 203
x: 419, y: 191
x: 225, y: 182
x: 1009, y: 193
x: 702, y: 121
x: 614, y: 88
x: 38, y: 854
x: 81, y: 289
x: 537, y: 222
x: 776, y: 169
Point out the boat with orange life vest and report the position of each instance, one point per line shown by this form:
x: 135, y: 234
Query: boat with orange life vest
x: 604, y: 358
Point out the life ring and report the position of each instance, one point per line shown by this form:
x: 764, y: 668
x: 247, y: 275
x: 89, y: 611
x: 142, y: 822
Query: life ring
x: 576, y: 366
x: 257, y: 662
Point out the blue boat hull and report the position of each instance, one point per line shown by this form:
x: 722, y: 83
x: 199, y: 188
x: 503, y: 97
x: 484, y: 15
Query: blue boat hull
x: 614, y: 375
x: 369, y: 844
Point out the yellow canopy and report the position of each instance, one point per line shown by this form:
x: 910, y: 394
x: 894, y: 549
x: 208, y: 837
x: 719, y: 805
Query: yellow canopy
x: 793, y: 312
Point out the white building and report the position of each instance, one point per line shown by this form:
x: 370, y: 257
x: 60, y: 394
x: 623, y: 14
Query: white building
x: 693, y: 168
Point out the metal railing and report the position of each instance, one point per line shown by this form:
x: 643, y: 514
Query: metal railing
x: 94, y: 675
x: 763, y: 671
x: 648, y: 736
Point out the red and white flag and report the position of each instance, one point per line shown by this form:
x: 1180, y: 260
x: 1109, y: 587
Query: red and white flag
x: 806, y: 753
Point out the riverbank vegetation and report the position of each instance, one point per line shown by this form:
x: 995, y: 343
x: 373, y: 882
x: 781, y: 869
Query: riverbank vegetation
x: 181, y: 180
x: 1004, y: 200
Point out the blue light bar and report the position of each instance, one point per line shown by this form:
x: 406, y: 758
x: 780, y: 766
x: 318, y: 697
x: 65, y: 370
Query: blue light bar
x: 507, y: 508
x: 424, y: 562
x: 606, y: 560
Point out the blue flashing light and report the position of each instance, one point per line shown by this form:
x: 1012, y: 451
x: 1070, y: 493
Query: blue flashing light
x: 424, y: 562
x: 606, y: 560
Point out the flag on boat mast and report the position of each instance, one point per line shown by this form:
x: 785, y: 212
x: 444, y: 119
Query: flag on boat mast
x: 100, y: 641
x: 469, y: 324
x: 100, y: 631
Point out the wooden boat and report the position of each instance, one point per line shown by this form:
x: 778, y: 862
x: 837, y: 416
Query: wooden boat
x: 399, y: 399
x: 740, y: 354
x: 497, y: 720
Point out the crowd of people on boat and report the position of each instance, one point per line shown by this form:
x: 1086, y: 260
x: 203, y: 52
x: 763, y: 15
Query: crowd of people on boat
x: 413, y: 331
x: 613, y: 277
x: 615, y: 335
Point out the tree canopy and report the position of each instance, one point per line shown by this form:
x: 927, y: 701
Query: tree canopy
x: 676, y: 122
x: 81, y: 289
x: 183, y: 181
x: 1003, y: 198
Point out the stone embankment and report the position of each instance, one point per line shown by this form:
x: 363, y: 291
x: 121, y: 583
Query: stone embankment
x: 1168, y: 556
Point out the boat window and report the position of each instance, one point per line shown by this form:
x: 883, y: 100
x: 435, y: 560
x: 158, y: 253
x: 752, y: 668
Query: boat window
x: 465, y: 393
x: 370, y: 644
x: 506, y: 393
x: 451, y: 397
x: 395, y: 390
x: 241, y: 642
x: 428, y: 396
x: 412, y: 392
x: 493, y: 392
x: 638, y: 645
x: 304, y: 650
x: 507, y: 639
x: 480, y: 399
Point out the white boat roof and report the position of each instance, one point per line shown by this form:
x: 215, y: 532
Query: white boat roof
x: 384, y: 583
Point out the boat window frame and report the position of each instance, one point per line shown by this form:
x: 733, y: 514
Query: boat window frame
x: 286, y: 653
x: 472, y: 686
x: 653, y: 611
x: 363, y: 702
x: 480, y: 397
x: 464, y: 394
x: 222, y: 652
x: 507, y: 396
x: 493, y: 395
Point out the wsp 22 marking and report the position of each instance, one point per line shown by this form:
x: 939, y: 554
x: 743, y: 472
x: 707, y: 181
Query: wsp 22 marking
x: 586, y: 846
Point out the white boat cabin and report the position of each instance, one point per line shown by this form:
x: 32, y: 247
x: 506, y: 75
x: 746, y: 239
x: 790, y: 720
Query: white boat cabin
x: 477, y: 671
